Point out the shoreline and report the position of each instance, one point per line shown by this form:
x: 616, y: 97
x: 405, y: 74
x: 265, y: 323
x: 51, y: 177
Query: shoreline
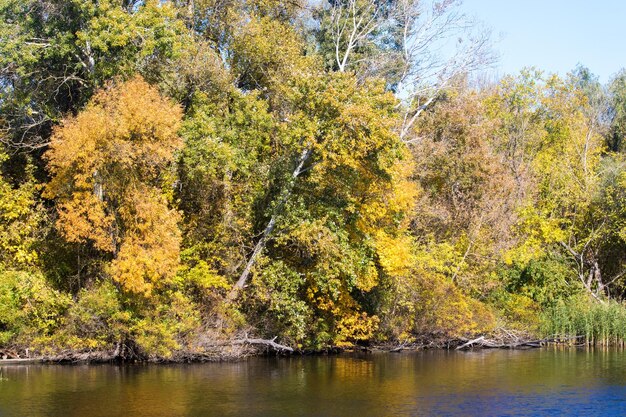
x: 220, y: 356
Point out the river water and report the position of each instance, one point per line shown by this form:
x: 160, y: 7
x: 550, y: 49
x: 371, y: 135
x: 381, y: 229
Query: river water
x: 432, y: 383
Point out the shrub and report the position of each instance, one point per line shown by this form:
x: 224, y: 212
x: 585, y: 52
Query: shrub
x: 29, y: 307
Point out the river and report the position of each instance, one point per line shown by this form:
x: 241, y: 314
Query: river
x: 431, y: 383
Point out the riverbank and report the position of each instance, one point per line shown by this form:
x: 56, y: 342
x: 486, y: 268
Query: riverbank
x: 240, y: 349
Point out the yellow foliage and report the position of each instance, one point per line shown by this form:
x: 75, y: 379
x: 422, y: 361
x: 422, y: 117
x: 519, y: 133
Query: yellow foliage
x: 149, y: 253
x: 269, y: 55
x: 354, y: 328
x: 203, y: 277
x: 538, y: 228
x: 20, y: 217
x: 368, y: 279
x: 521, y: 312
x: 108, y: 167
x: 395, y: 254
x: 441, y: 258
x: 447, y: 311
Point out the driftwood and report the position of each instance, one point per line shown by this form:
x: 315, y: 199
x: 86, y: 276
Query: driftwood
x: 398, y: 349
x: 482, y: 342
x: 265, y: 342
x: 21, y: 361
x: 247, y: 341
x: 100, y: 356
x: 216, y: 350
x: 9, y: 354
x: 471, y: 343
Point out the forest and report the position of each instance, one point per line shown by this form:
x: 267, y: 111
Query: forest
x: 180, y: 176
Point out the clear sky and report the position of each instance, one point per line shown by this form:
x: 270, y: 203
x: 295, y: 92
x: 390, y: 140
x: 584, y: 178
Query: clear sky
x: 555, y: 35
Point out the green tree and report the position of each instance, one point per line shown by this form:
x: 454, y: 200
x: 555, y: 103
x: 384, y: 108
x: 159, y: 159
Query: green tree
x: 617, y: 130
x: 55, y: 54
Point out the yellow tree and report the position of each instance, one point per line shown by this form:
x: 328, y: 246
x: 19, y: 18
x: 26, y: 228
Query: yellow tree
x: 110, y: 182
x: 20, y: 220
x: 551, y: 141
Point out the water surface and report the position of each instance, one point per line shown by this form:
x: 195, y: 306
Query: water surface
x: 490, y: 382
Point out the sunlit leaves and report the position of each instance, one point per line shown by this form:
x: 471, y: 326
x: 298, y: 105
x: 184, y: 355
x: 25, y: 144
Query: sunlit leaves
x: 108, y: 166
x: 20, y: 221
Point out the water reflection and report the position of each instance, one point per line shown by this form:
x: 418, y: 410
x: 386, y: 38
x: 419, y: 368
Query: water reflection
x: 429, y: 383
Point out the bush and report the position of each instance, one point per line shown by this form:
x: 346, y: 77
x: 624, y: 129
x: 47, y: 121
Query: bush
x: 29, y: 307
x: 429, y: 304
x: 96, y: 320
x: 545, y: 281
x: 165, y: 325
x: 276, y: 306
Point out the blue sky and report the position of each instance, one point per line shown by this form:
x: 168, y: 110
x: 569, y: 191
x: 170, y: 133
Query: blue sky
x: 555, y: 35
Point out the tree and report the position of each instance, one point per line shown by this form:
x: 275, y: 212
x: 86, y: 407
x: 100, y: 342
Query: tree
x: 224, y: 170
x: 110, y: 180
x: 617, y: 129
x: 338, y: 225
x: 467, y: 205
x: 401, y: 41
x: 55, y: 54
x: 559, y: 212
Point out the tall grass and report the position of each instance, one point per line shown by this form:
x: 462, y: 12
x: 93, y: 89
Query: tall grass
x: 595, y: 323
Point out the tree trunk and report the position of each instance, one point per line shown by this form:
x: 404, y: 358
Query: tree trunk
x: 267, y: 232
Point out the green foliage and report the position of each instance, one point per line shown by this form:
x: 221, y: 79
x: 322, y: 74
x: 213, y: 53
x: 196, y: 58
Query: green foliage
x: 162, y: 328
x: 278, y: 309
x: 29, y: 308
x: 224, y: 168
x: 102, y: 318
x: 544, y: 281
x: 617, y: 128
x: 97, y: 319
x: 55, y: 54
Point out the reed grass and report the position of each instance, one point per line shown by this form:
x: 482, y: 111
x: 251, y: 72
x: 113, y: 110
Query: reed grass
x: 599, y: 324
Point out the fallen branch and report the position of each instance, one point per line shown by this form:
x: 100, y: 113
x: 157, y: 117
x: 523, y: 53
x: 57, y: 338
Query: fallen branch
x: 80, y: 357
x: 21, y: 361
x: 9, y: 354
x: 472, y: 343
x: 398, y: 349
x: 266, y: 342
x: 482, y: 342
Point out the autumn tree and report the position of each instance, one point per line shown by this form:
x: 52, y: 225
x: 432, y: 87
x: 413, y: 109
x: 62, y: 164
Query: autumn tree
x: 565, y: 176
x: 111, y: 181
x: 21, y: 216
x: 467, y: 206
